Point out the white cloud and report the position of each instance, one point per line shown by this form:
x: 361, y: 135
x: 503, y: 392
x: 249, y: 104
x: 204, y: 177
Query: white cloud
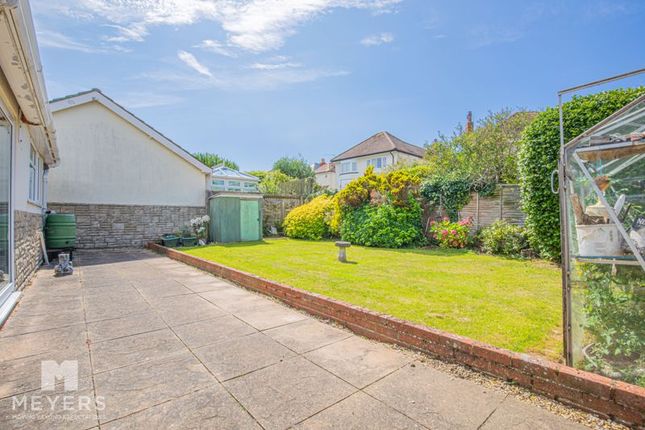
x: 253, y: 25
x: 275, y: 63
x: 52, y: 39
x: 190, y: 60
x: 236, y: 80
x: 215, y: 46
x: 377, y: 39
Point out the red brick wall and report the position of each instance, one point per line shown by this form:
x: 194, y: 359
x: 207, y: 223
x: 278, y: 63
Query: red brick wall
x: 603, y: 396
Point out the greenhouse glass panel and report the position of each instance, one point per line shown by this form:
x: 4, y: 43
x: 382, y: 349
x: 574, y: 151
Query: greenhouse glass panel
x: 604, y: 204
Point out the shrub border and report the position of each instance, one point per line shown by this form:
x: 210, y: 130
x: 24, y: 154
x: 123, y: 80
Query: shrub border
x: 593, y: 393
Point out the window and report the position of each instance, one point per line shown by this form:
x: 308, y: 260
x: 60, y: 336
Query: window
x: 35, y: 176
x: 348, y: 167
x: 218, y: 185
x: 250, y: 187
x: 234, y: 186
x: 378, y: 163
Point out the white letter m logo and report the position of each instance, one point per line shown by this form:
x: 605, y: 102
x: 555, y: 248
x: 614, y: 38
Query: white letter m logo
x: 50, y: 371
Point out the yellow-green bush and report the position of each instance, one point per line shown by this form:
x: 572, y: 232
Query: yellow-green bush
x: 311, y: 220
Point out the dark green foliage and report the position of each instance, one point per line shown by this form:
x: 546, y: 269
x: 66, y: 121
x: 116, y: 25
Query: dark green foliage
x: 385, y: 225
x: 449, y: 193
x: 538, y: 157
x: 212, y: 160
x: 614, y: 306
x: 294, y: 167
x: 502, y: 238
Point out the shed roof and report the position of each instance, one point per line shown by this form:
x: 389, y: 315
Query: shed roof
x: 96, y: 95
x: 379, y: 143
x: 221, y: 171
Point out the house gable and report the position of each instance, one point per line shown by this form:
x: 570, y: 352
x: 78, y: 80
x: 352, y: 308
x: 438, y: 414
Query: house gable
x: 97, y: 96
x: 382, y: 142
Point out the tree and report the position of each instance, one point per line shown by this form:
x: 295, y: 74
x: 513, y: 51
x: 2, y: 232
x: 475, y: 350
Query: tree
x: 271, y: 181
x: 487, y: 155
x: 294, y: 167
x: 212, y: 160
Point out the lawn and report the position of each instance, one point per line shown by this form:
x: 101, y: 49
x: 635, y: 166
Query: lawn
x: 512, y: 304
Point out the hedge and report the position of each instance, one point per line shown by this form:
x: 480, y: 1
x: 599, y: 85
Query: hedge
x: 311, y: 220
x: 538, y: 157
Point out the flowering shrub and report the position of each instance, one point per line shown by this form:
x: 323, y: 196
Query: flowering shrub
x: 504, y: 239
x: 311, y: 220
x: 200, y: 226
x: 450, y: 234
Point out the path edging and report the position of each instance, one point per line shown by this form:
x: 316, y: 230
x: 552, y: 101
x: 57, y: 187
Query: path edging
x: 593, y: 393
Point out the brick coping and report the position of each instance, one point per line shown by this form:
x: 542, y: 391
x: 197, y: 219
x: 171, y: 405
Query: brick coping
x: 597, y: 394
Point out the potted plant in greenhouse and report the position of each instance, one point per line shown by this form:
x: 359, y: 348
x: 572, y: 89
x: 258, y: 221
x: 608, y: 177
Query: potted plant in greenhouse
x: 614, y: 321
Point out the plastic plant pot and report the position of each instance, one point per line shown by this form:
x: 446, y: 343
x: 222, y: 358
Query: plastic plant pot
x: 169, y: 240
x: 189, y: 241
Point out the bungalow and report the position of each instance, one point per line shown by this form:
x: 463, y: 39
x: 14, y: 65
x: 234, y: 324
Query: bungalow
x: 126, y: 182
x: 27, y: 151
x: 380, y: 150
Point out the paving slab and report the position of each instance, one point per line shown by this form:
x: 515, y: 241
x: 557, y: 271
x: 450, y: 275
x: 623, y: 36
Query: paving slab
x: 138, y: 348
x: 134, y: 388
x: 209, y: 408
x: 72, y: 339
x: 239, y: 356
x: 268, y: 315
x: 358, y: 361
x: 222, y: 328
x: 359, y: 412
x: 306, y: 335
x: 513, y: 414
x: 435, y: 399
x: 283, y: 395
x: 99, y: 331
x: 185, y: 309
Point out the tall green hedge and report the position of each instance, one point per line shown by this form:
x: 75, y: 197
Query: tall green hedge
x: 538, y: 157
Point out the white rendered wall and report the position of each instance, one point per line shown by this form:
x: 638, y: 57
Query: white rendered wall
x: 393, y: 157
x: 106, y: 160
x: 21, y: 173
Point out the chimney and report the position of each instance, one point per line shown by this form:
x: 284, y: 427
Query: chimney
x: 469, y: 122
x: 322, y: 161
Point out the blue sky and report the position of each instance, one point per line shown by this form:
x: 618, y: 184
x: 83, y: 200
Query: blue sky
x: 254, y: 80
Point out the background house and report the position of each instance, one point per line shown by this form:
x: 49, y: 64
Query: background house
x: 226, y: 179
x: 27, y: 151
x: 125, y: 181
x: 325, y: 174
x: 380, y: 150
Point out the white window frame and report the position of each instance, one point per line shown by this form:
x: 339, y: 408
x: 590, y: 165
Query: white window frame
x: 378, y: 162
x: 230, y: 186
x: 348, y: 167
x: 219, y: 185
x: 36, y: 165
x: 8, y: 294
x: 249, y: 187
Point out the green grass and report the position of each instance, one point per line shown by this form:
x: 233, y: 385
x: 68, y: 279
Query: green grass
x: 512, y: 304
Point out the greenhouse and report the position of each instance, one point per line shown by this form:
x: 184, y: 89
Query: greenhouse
x: 603, y: 197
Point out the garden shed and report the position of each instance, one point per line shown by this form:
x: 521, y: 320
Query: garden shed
x: 235, y: 217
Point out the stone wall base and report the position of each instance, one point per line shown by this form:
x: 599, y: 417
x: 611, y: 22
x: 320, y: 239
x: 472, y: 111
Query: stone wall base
x: 28, y: 253
x: 118, y: 226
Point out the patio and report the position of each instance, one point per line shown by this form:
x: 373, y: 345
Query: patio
x: 163, y: 345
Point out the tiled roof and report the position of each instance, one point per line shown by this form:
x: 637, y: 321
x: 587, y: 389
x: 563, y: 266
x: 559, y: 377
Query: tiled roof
x: 379, y: 143
x: 325, y: 168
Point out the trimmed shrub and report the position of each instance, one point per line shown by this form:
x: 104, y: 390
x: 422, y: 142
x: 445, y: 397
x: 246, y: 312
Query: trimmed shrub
x: 538, y: 157
x: 311, y: 220
x: 384, y: 225
x: 503, y: 238
x: 450, y: 234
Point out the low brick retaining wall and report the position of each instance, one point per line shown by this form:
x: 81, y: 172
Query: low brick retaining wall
x: 597, y: 394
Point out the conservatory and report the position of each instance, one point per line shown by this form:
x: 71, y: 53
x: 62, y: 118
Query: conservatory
x: 603, y: 200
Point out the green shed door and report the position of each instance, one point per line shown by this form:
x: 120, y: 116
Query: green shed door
x: 250, y: 220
